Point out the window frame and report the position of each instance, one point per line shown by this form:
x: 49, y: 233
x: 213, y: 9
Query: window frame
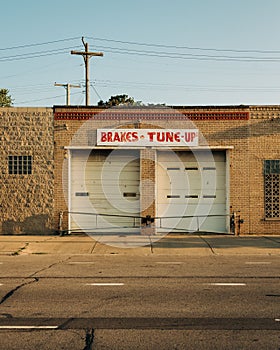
x: 20, y: 164
x: 272, y: 189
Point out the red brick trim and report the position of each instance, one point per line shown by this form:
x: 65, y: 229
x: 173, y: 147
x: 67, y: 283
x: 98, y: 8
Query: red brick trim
x: 126, y: 115
x: 225, y: 115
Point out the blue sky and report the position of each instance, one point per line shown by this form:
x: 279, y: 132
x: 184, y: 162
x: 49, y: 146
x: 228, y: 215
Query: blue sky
x: 180, y: 52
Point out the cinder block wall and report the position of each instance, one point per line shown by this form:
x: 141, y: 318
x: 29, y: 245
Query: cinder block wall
x: 26, y: 201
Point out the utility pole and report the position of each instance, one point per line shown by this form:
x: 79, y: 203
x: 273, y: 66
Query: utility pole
x: 86, y: 55
x: 67, y: 87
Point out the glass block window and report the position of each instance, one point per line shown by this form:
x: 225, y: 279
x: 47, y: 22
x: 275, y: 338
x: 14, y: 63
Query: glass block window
x: 272, y: 166
x: 271, y: 187
x: 20, y: 165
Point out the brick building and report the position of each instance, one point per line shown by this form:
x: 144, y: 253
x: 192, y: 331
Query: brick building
x: 182, y: 169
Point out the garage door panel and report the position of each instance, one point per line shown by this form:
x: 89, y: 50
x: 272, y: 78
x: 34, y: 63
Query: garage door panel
x: 208, y: 156
x: 167, y: 225
x: 104, y: 224
x: 119, y: 171
x: 176, y: 210
x: 209, y: 178
x: 207, y: 196
x: 196, y: 187
x: 206, y: 180
x: 219, y: 196
x: 111, y: 183
x: 165, y: 198
x: 189, y: 193
x: 213, y: 209
x: 213, y: 224
x: 181, y: 183
x: 101, y: 186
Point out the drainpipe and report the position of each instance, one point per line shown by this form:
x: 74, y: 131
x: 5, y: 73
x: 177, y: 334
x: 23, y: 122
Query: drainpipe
x: 60, y: 224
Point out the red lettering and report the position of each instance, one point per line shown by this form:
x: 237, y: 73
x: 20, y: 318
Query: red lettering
x: 128, y: 136
x: 109, y: 136
x: 160, y: 137
x: 135, y: 136
x: 116, y: 137
x: 123, y: 137
x: 193, y: 134
x: 151, y: 135
x: 103, y: 136
x: 169, y: 136
x: 188, y: 136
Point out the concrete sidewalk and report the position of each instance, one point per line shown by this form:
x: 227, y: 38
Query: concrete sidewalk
x: 141, y: 245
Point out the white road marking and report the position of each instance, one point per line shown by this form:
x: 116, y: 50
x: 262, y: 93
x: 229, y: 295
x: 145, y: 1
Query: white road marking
x: 227, y: 284
x: 28, y: 327
x: 104, y: 284
x: 258, y: 262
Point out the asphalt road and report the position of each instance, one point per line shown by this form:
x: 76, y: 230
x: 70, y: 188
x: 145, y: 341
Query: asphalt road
x: 139, y: 302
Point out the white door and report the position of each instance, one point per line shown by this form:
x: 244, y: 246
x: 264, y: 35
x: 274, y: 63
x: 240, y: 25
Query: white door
x: 191, y: 191
x: 105, y: 191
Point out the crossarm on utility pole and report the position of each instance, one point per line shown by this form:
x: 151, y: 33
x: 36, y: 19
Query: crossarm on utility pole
x: 67, y: 87
x: 86, y: 56
x: 87, y: 53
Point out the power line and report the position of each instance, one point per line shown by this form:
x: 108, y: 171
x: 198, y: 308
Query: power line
x: 37, y: 44
x: 157, y: 51
x: 109, y: 82
x: 145, y: 85
x: 94, y: 89
x: 142, y: 84
x: 45, y: 98
x: 186, y: 47
x: 149, y: 53
x: 35, y: 54
x: 185, y: 56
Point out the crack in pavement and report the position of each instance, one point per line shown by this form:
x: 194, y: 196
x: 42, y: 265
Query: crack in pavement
x: 20, y: 250
x: 89, y: 339
x: 208, y: 244
x: 32, y: 276
x: 11, y: 292
x: 49, y: 266
x: 95, y: 244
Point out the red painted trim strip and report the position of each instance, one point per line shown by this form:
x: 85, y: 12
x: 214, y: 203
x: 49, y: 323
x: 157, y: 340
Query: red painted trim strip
x: 244, y: 115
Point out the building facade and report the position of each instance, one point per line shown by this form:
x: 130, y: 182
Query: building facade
x: 27, y: 171
x: 140, y: 170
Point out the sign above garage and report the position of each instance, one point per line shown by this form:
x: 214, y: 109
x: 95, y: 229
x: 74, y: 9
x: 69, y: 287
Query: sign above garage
x: 147, y: 137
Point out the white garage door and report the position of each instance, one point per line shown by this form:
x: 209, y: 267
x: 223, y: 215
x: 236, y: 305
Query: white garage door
x: 105, y: 191
x: 191, y: 191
